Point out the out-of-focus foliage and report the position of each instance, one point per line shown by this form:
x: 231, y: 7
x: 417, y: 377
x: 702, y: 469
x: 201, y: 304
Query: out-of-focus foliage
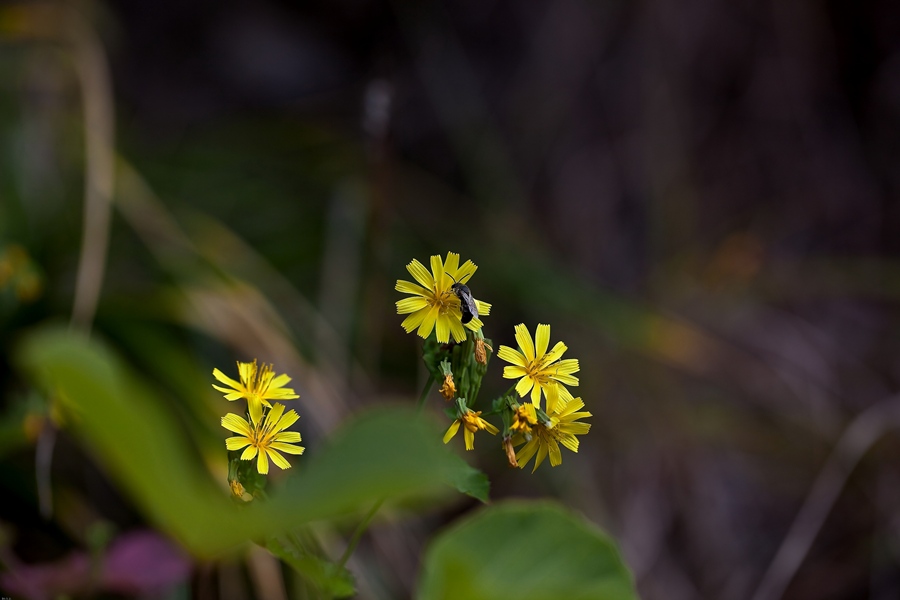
x: 530, y: 551
x: 382, y: 455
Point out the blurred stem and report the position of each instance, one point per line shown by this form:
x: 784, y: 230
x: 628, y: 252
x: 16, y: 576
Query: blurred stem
x: 43, y: 461
x: 99, y: 176
x: 425, y: 391
x: 357, y: 535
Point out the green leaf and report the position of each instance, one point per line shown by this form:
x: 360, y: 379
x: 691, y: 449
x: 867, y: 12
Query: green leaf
x: 526, y: 551
x: 470, y: 481
x: 329, y: 579
x: 386, y: 454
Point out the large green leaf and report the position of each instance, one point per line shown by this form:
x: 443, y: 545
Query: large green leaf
x: 387, y: 454
x: 526, y: 551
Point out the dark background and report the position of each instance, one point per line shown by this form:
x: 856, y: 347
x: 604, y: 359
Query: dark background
x: 699, y: 196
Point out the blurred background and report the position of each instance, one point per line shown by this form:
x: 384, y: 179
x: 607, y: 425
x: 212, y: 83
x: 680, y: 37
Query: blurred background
x: 700, y: 197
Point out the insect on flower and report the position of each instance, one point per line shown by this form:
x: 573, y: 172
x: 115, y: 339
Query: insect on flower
x: 466, y: 302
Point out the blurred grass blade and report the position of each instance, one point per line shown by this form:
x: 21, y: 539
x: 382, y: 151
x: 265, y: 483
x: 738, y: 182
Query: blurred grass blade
x: 526, y: 551
x: 385, y: 454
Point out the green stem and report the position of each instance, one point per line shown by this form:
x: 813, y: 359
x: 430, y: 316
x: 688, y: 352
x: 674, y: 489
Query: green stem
x: 425, y: 391
x: 357, y: 535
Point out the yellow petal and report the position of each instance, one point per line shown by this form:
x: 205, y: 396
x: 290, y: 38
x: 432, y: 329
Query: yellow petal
x: 465, y: 272
x: 409, y: 305
x: 567, y: 366
x: 414, y: 320
x: 524, y: 386
x: 470, y: 438
x: 441, y: 281
x: 474, y: 325
x: 234, y: 423
x: 236, y: 443
x: 526, y: 345
x: 443, y: 329
x: 249, y: 453
x: 511, y: 356
x: 287, y: 420
x: 288, y: 437
x: 255, y: 407
x: 558, y: 349
x: 555, y: 454
x: 428, y: 322
x: 541, y: 455
x: 226, y: 380
x: 513, y: 372
x: 408, y: 287
x: 451, y: 431
x: 566, y: 379
x: 278, y: 459
x: 451, y: 265
x: 289, y: 448
x: 484, y: 309
x: 542, y: 340
x: 457, y: 330
x: 230, y: 394
x: 262, y: 463
x: 421, y: 274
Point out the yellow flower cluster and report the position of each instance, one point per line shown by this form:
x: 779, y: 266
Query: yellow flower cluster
x: 264, y: 435
x: 439, y: 302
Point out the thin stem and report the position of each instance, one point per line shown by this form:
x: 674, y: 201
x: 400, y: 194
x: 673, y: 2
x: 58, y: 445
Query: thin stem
x: 425, y: 391
x: 357, y: 535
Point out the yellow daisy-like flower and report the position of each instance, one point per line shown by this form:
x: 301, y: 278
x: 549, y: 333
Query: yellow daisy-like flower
x: 540, y: 370
x: 265, y: 439
x: 524, y: 418
x: 473, y: 422
x: 258, y: 385
x: 546, y: 437
x: 433, y: 305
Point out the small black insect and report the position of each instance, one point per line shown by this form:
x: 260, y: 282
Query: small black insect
x: 466, y: 302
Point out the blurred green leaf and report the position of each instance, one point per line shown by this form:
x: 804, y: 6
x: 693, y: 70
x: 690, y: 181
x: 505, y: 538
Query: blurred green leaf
x: 330, y: 580
x: 526, y: 551
x: 470, y: 481
x: 387, y: 454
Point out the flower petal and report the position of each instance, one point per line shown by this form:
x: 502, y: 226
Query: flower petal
x: 567, y: 366
x: 526, y: 345
x: 470, y: 438
x: 428, y: 322
x: 541, y: 455
x: 484, y: 309
x: 278, y: 459
x: 236, y: 443
x: 414, y: 320
x: 437, y: 271
x: 421, y: 274
x: 511, y: 356
x: 262, y: 463
x: 289, y: 448
x: 457, y: 330
x: 233, y: 422
x: 555, y: 454
x: 451, y: 431
x: 465, y: 272
x: 524, y: 386
x: 513, y: 372
x: 408, y: 287
x: 409, y: 305
x: 288, y: 437
x: 542, y: 340
x: 289, y: 418
x: 443, y: 329
x: 226, y: 380
x: 249, y: 453
x: 451, y: 265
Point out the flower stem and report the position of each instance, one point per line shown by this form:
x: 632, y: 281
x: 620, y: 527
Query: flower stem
x: 357, y: 535
x: 425, y: 391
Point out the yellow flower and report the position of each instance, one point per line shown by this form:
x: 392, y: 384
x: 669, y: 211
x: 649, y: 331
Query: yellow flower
x: 448, y: 390
x: 433, y: 305
x: 524, y: 418
x: 539, y: 370
x: 546, y: 437
x: 258, y: 385
x: 264, y: 439
x: 472, y: 422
